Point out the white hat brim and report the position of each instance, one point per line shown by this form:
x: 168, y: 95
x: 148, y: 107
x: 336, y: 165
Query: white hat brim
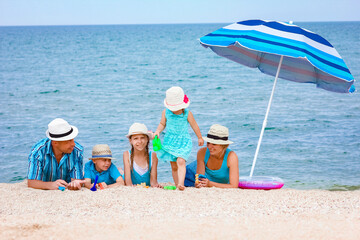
x: 177, y: 107
x: 102, y: 157
x: 74, y: 133
x: 220, y: 142
x: 150, y: 135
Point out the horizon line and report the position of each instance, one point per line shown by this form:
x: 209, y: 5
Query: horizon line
x: 112, y: 24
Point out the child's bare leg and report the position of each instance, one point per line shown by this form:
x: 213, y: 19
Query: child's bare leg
x: 174, y: 171
x: 181, y: 165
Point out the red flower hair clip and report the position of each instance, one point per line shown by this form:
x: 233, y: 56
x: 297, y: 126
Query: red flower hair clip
x: 186, y: 99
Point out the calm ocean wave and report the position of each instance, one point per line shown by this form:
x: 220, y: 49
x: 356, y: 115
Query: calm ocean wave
x: 103, y: 78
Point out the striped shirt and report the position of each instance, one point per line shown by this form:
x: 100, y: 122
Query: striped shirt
x: 43, y: 165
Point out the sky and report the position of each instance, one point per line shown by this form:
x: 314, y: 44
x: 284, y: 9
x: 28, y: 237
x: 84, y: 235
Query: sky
x: 95, y: 12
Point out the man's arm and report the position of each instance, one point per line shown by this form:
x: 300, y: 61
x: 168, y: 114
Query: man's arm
x: 77, y: 177
x: 76, y: 184
x: 38, y: 184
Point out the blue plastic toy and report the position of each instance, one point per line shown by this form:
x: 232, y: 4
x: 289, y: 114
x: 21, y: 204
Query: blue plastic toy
x: 202, y: 176
x: 95, y: 182
x: 61, y: 188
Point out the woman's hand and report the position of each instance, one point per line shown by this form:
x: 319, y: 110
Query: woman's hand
x: 203, y: 182
x: 201, y: 141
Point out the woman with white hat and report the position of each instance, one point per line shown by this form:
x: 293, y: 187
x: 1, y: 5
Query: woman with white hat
x: 216, y: 164
x: 140, y: 164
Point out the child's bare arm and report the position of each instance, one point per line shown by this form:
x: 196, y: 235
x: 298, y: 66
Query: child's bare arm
x: 127, y: 171
x: 88, y: 183
x: 196, y: 128
x: 162, y: 124
x: 153, y: 171
x: 119, y: 182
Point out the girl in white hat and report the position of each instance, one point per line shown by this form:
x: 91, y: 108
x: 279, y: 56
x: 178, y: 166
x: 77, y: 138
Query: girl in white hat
x: 140, y: 164
x: 177, y: 143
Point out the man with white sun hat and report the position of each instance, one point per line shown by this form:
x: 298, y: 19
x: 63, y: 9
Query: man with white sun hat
x: 56, y: 161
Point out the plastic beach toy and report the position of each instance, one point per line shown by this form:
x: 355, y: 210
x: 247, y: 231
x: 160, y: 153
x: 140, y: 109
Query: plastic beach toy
x: 202, y: 176
x: 156, y: 143
x: 260, y: 182
x: 169, y: 187
x: 101, y: 186
x: 143, y: 185
x: 95, y: 182
x: 61, y: 188
x: 197, y: 176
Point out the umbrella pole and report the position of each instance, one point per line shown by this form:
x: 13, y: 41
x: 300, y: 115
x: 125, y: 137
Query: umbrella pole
x: 265, y: 119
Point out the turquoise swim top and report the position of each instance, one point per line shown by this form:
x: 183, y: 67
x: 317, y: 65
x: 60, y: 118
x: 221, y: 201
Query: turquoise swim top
x: 221, y: 175
x: 136, y: 178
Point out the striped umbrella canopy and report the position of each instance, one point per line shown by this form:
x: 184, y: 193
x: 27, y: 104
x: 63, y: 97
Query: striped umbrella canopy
x: 282, y: 50
x: 307, y: 57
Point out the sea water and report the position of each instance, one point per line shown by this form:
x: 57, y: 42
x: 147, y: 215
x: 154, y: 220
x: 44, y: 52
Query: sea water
x: 104, y: 78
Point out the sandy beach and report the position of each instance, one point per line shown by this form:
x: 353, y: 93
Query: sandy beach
x: 148, y: 213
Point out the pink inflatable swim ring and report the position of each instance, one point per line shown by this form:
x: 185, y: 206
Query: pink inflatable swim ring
x: 261, y: 182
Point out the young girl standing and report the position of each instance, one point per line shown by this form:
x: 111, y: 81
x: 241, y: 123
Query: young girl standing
x: 177, y: 143
x: 140, y: 164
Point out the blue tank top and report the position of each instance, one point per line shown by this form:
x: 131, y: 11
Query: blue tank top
x: 136, y: 178
x: 221, y: 175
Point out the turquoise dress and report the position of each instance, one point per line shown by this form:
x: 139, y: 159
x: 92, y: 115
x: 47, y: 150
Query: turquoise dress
x: 136, y: 178
x: 177, y: 142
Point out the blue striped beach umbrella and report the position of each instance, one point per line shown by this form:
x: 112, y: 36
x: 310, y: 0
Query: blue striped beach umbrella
x: 282, y: 50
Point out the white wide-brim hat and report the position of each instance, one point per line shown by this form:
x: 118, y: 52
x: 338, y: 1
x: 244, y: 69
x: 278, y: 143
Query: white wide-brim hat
x: 218, y: 135
x: 139, y: 128
x: 176, y: 99
x: 61, y: 130
x: 101, y: 151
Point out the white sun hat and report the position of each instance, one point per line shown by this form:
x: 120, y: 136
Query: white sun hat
x: 101, y: 151
x: 139, y: 128
x: 61, y: 130
x: 176, y: 99
x: 218, y: 135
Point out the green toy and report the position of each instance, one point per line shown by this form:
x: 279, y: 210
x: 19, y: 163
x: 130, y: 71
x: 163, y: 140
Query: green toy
x: 170, y: 188
x: 156, y: 143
